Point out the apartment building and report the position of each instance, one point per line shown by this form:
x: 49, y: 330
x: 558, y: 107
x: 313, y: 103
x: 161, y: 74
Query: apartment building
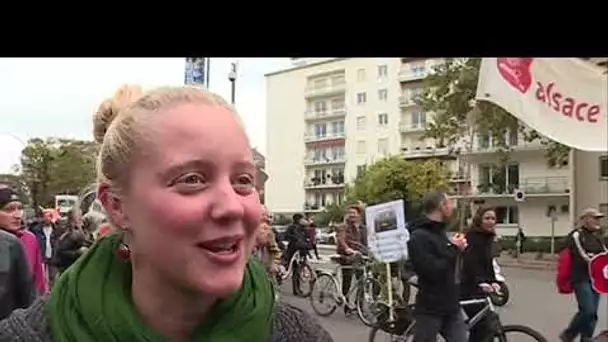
x: 326, y: 120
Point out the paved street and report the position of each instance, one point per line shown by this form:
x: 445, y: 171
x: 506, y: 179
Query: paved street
x: 534, y: 302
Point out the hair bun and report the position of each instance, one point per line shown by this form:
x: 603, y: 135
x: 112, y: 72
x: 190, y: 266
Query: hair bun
x: 109, y: 108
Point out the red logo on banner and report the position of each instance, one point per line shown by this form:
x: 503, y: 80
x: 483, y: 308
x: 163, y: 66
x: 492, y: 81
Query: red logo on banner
x: 598, y: 271
x: 516, y: 71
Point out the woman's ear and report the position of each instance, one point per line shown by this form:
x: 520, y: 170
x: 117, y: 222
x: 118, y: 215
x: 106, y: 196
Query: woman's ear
x: 112, y: 203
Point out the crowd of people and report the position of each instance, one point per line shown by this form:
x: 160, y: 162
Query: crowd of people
x: 177, y: 159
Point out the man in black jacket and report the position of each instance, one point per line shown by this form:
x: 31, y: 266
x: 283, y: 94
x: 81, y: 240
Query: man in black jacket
x: 297, y: 242
x: 16, y: 286
x: 434, y: 259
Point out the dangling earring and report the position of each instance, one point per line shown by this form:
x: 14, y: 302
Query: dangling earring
x: 123, y: 252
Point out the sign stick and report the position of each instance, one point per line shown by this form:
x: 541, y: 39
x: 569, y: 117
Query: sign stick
x: 389, y: 283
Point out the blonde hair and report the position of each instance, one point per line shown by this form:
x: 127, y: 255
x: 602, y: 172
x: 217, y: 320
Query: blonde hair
x: 118, y: 124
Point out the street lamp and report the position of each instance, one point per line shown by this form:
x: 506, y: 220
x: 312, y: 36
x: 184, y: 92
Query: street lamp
x: 232, y: 79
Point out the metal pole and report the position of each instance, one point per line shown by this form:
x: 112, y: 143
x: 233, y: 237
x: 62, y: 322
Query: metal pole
x: 232, y: 79
x: 553, y: 219
x: 207, y: 72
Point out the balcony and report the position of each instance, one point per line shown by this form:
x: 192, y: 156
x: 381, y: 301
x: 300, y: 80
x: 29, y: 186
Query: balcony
x: 329, y: 136
x: 409, y: 75
x: 480, y: 147
x: 406, y: 100
x: 427, y: 152
x: 318, y: 183
x: 311, y: 161
x: 412, y: 127
x: 531, y: 186
x: 330, y: 89
x: 325, y: 115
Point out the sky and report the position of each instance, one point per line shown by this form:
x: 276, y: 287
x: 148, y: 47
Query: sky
x: 47, y: 97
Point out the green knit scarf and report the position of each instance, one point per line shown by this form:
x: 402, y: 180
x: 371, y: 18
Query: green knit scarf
x: 91, y: 302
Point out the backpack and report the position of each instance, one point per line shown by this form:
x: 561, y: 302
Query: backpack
x: 564, y: 268
x: 564, y: 272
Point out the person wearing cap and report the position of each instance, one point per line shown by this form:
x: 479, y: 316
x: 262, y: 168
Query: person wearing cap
x: 16, y: 286
x: 584, y: 243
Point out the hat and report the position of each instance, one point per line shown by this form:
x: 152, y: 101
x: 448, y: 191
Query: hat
x: 591, y: 212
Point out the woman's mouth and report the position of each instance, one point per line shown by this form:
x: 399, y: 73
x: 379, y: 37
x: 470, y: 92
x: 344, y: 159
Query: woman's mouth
x: 226, y: 250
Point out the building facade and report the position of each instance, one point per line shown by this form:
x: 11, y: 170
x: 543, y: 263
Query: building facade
x: 328, y: 119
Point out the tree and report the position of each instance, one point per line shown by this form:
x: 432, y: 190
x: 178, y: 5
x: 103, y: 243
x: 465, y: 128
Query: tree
x: 396, y: 178
x: 331, y: 213
x: 56, y: 166
x: 449, y: 93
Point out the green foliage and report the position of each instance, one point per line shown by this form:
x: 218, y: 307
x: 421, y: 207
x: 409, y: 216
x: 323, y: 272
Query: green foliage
x: 57, y: 166
x: 396, y: 178
x: 449, y: 93
x: 331, y: 213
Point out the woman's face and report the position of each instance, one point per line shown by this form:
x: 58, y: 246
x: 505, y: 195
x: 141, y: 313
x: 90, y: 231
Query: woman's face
x: 191, y: 205
x: 10, y: 216
x: 488, y: 220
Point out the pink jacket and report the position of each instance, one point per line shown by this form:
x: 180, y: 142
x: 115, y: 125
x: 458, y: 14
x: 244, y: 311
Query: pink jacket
x: 34, y: 258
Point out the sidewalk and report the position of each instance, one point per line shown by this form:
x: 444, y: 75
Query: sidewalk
x: 529, y: 261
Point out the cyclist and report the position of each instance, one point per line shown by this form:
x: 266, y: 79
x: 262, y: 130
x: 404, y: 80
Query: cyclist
x: 478, y: 278
x: 297, y: 242
x: 351, y: 240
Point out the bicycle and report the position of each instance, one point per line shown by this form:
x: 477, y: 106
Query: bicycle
x: 404, y: 325
x: 364, y: 287
x: 306, y: 272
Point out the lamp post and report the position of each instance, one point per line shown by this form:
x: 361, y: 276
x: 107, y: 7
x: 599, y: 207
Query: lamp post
x: 232, y: 79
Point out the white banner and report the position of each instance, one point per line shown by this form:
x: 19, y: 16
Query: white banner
x: 564, y: 99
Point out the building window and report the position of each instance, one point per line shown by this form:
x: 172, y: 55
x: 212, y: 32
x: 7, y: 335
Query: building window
x: 337, y: 128
x: 361, y: 75
x: 498, y: 180
x: 338, y: 80
x: 361, y: 170
x: 382, y: 94
x: 337, y: 104
x: 604, y: 167
x: 382, y: 119
x: 418, y: 120
x: 383, y: 146
x: 320, y: 107
x: 361, y: 123
x: 361, y: 148
x: 320, y: 83
x: 418, y: 69
x: 507, y: 215
x: 361, y: 98
x: 382, y: 71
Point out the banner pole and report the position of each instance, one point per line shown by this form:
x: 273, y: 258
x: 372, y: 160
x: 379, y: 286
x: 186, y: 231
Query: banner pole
x: 389, y: 283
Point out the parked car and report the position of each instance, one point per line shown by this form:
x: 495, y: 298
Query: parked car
x: 326, y: 236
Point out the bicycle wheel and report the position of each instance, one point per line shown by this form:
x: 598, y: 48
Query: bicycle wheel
x: 517, y: 333
x: 325, y: 289
x: 367, y: 297
x: 307, y: 276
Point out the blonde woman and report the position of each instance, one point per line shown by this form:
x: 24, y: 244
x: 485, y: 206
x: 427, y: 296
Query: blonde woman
x: 176, y: 178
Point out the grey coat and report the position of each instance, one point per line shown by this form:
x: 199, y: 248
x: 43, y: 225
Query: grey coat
x: 290, y: 325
